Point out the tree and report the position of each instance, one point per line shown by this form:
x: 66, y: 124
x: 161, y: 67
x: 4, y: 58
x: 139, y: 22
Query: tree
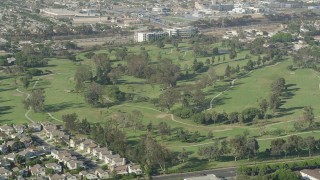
x: 83, y: 73
x: 196, y: 65
x: 165, y: 73
x: 94, y: 94
x: 160, y: 44
x: 276, y: 146
x: 183, y: 155
x: 136, y: 119
x: 164, y: 129
x: 25, y: 80
x: 297, y: 143
x: 263, y: 106
x: 253, y: 147
x: 215, y: 51
x: 213, y: 77
x: 155, y: 154
x: 210, y: 152
x: 198, y: 97
x: 285, y: 174
x: 274, y: 102
x: 224, y: 147
x: 208, y: 62
x: 250, y: 65
x: 239, y: 146
x: 210, y: 135
x: 114, y: 92
x: 308, y: 116
x: 278, y: 86
x: 310, y: 143
x: 227, y: 71
x: 233, y: 117
x: 168, y: 98
x: 35, y: 100
x: 137, y: 65
x: 70, y: 121
x: 233, y: 54
x: 103, y: 67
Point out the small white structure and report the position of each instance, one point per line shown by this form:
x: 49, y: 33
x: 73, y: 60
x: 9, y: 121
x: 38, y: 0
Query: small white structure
x: 206, y: 177
x: 310, y: 174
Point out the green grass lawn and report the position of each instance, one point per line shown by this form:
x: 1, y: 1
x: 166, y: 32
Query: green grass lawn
x: 303, y: 88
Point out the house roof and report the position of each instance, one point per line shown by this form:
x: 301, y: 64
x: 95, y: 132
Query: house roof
x: 118, y: 159
x: 312, y: 172
x: 56, y: 177
x: 4, y: 171
x: 52, y: 165
x: 121, y: 168
x: 6, y: 128
x: 135, y: 167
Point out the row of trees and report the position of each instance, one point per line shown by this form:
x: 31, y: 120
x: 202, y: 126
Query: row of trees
x: 147, y: 151
x: 242, y: 146
x: 239, y: 147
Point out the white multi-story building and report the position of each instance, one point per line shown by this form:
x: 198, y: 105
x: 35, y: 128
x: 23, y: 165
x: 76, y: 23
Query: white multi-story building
x: 147, y: 36
x: 183, y: 32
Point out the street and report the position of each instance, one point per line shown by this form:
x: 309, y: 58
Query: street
x: 226, y: 173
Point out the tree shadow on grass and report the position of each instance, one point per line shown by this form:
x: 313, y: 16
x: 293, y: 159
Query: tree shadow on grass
x: 61, y: 106
x: 195, y: 163
x: 7, y: 89
x: 5, y: 109
x: 219, y: 101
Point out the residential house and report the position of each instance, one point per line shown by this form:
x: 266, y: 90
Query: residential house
x: 11, y: 157
x: 91, y: 147
x: 13, y: 145
x: 83, y: 173
x: 37, y: 170
x: 26, y: 140
x: 28, y: 153
x: 7, y: 129
x: 102, y: 174
x: 74, y: 164
x: 90, y: 176
x: 69, y: 176
x: 118, y: 162
x: 5, y: 173
x: 3, y: 135
x: 121, y: 170
x: 3, y: 148
x: 108, y: 158
x: 84, y: 144
x: 74, y: 143
x: 134, y: 169
x: 48, y: 127
x: 96, y: 151
x: 56, y: 167
x: 35, y: 127
x: 103, y: 154
x: 56, y: 177
x: 19, y: 128
x: 5, y: 163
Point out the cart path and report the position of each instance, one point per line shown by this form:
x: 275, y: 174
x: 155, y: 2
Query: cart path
x: 29, y: 110
x: 232, y: 84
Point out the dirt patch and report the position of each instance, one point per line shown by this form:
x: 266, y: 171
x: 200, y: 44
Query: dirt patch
x: 49, y: 78
x: 162, y: 116
x: 17, y: 94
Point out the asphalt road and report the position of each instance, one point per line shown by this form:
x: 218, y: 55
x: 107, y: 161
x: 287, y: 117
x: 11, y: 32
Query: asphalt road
x: 225, y: 173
